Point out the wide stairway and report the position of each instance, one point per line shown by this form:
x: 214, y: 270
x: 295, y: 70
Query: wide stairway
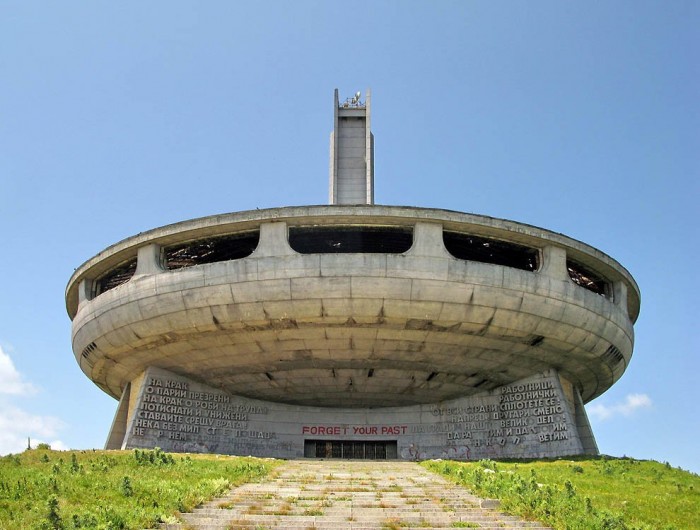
x: 305, y: 494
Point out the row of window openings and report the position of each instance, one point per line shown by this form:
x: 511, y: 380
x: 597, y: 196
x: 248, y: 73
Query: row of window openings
x: 338, y: 240
x: 349, y: 449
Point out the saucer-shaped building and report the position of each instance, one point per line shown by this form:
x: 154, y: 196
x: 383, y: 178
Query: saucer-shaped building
x: 353, y: 330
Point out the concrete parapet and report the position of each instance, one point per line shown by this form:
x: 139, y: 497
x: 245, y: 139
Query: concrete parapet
x: 148, y: 260
x: 554, y: 263
x: 273, y: 241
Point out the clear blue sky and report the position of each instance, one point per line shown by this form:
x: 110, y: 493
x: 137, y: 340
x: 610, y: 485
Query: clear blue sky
x: 580, y: 117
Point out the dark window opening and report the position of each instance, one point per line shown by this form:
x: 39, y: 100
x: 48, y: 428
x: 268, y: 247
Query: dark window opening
x: 89, y: 349
x: 350, y: 239
x: 485, y: 250
x: 347, y: 449
x: 613, y: 356
x: 587, y: 279
x: 211, y: 250
x: 115, y: 277
x: 536, y: 340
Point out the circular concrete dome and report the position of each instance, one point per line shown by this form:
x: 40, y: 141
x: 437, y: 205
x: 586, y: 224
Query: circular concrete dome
x: 353, y: 306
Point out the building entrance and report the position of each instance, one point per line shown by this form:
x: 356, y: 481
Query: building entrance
x: 360, y: 450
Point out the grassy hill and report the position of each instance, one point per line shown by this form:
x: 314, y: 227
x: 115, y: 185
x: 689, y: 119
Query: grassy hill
x: 110, y: 490
x: 586, y: 493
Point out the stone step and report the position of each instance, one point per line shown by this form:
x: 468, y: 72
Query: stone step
x: 338, y: 495
x: 324, y: 526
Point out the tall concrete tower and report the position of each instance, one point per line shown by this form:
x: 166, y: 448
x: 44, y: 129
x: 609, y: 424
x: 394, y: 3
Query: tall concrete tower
x: 352, y: 152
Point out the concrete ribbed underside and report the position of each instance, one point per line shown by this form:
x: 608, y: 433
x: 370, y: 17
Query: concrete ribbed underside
x: 352, y: 330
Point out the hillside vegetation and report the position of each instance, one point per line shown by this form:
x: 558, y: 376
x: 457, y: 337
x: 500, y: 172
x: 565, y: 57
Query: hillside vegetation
x: 590, y: 494
x: 112, y: 490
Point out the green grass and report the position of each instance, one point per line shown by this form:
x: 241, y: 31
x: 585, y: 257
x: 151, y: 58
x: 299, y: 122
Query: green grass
x: 113, y: 490
x: 586, y: 493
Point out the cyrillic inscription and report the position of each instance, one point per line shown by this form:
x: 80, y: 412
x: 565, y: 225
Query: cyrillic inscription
x: 170, y: 410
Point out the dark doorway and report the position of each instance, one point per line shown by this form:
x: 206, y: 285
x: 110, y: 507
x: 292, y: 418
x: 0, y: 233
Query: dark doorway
x: 345, y: 449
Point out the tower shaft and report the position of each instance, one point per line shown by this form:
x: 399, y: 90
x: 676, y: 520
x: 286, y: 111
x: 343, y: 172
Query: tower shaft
x: 352, y: 153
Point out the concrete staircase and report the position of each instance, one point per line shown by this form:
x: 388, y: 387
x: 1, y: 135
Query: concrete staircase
x: 339, y: 495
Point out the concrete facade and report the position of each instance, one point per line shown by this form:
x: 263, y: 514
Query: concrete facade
x: 395, y: 332
x: 534, y: 417
x: 358, y: 337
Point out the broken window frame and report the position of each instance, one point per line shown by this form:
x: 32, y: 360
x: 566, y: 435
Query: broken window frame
x: 482, y: 249
x: 214, y: 249
x: 589, y: 279
x: 115, y: 277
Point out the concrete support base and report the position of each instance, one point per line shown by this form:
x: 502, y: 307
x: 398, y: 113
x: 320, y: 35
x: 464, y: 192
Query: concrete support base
x: 537, y: 417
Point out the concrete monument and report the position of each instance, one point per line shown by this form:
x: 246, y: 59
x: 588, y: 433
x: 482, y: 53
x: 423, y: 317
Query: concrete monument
x: 353, y: 330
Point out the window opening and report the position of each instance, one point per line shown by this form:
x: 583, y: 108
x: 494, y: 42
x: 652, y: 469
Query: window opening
x: 211, y: 250
x: 350, y: 239
x: 115, y: 277
x: 586, y: 278
x: 486, y: 250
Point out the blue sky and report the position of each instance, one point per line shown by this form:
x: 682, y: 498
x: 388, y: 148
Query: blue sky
x: 579, y: 117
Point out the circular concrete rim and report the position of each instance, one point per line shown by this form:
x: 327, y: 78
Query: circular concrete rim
x: 475, y: 224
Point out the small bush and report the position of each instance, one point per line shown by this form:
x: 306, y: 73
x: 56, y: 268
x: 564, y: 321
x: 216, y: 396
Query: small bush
x: 126, y: 488
x: 53, y: 519
x: 87, y: 520
x: 570, y: 490
x: 74, y: 466
x: 154, y: 457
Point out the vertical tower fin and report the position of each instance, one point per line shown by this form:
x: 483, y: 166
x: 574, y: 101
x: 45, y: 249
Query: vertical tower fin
x: 351, y: 152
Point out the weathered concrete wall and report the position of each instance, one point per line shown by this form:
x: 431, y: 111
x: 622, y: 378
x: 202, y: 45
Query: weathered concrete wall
x: 283, y: 326
x: 479, y: 225
x: 531, y: 418
x: 421, y: 348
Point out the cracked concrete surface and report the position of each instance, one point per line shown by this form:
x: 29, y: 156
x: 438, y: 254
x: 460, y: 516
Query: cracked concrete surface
x: 305, y: 494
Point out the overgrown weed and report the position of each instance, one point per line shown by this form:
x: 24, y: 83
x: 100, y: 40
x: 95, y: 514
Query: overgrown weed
x: 586, y: 493
x: 53, y: 490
